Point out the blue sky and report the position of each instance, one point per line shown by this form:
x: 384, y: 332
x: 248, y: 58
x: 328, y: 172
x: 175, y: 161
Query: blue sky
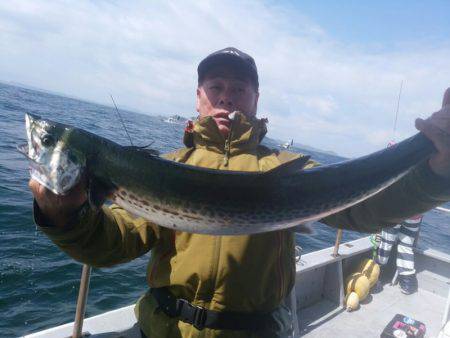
x: 379, y: 25
x: 330, y: 71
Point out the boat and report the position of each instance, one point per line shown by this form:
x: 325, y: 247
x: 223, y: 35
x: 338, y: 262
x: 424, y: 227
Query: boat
x: 287, y: 145
x: 176, y: 119
x: 318, y: 298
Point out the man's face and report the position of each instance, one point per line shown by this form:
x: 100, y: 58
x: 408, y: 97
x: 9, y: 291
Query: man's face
x: 222, y: 92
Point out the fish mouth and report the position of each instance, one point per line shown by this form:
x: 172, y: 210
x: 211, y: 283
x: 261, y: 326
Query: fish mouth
x: 24, y: 149
x: 52, y: 165
x: 43, y: 173
x: 37, y: 171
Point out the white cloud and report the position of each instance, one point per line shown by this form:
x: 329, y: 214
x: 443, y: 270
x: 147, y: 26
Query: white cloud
x: 314, y: 89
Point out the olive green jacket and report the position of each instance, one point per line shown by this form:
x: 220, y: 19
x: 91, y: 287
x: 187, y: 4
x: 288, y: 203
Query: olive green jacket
x: 248, y: 273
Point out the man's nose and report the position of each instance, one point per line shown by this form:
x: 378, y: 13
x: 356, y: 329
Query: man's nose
x: 227, y: 97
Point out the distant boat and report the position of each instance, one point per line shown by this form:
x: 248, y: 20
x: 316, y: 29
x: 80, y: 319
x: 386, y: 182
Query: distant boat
x: 287, y: 145
x: 177, y: 119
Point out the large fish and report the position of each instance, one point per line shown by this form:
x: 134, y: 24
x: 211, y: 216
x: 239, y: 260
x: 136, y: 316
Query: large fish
x: 194, y: 199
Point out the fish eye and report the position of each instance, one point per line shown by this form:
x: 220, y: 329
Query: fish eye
x: 48, y: 140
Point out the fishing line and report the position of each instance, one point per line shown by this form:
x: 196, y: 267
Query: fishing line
x: 120, y: 118
x: 396, y: 113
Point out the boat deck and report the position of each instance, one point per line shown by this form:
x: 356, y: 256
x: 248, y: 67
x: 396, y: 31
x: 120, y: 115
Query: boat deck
x: 119, y: 323
x: 318, y: 296
x: 324, y: 319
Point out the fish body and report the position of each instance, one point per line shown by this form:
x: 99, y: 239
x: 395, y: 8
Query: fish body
x: 194, y: 199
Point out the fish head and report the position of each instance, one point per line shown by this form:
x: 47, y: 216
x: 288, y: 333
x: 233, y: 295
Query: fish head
x: 54, y: 161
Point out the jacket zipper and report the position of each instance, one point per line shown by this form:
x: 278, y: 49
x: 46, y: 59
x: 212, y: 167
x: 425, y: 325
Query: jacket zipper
x: 226, y: 157
x: 218, y: 239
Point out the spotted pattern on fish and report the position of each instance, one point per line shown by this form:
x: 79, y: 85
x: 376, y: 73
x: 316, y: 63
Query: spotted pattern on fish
x: 180, y: 196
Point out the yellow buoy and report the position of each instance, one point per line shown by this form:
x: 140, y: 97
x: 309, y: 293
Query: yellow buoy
x: 359, y: 283
x: 371, y: 270
x: 352, y: 301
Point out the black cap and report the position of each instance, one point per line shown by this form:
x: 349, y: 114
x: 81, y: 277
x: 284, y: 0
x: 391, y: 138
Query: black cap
x: 231, y: 56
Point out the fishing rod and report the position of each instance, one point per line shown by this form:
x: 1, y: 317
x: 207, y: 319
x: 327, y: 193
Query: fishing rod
x: 396, y: 112
x: 126, y: 131
x: 120, y: 118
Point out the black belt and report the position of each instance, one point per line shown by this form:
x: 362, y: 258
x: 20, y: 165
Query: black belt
x: 200, y: 317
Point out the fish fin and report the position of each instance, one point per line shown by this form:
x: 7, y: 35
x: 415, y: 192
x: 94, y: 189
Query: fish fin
x: 289, y: 168
x: 145, y: 149
x: 98, y: 193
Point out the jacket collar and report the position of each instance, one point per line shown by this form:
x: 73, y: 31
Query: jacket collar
x: 246, y: 134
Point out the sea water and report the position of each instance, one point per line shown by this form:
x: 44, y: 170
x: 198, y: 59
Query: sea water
x: 38, y: 282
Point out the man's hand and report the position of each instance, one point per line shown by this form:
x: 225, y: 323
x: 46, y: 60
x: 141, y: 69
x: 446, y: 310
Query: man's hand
x: 437, y: 129
x: 58, y: 209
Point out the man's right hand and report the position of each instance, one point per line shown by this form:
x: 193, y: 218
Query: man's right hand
x: 58, y: 208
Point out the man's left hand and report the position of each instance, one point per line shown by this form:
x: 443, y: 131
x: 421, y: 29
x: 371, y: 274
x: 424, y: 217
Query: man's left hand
x: 437, y: 129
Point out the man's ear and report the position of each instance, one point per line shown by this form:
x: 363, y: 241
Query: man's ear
x: 256, y: 103
x: 197, y: 104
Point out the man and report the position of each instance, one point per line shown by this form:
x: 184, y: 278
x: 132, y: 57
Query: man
x: 227, y: 286
x: 405, y: 235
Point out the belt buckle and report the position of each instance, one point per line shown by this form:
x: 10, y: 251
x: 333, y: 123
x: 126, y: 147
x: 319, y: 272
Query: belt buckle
x: 199, y: 319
